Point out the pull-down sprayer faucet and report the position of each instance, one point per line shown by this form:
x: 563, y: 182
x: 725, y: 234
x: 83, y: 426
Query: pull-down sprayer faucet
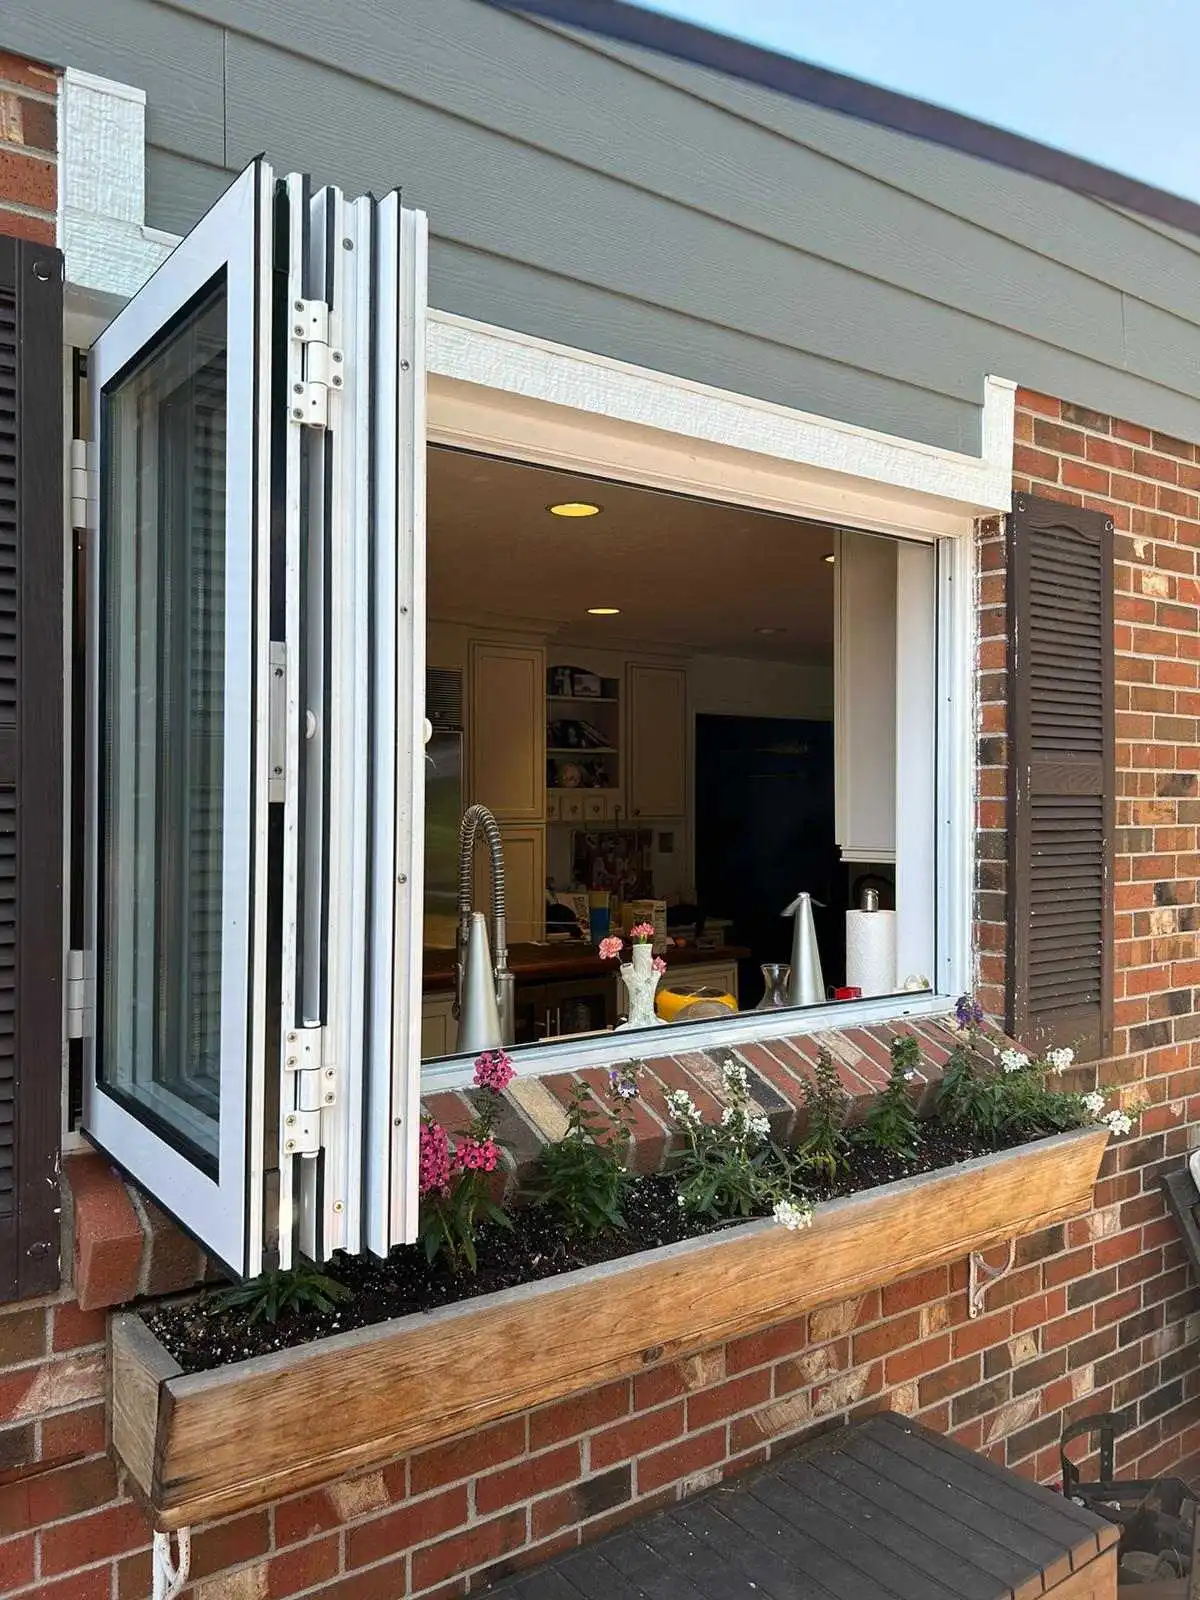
x: 483, y: 985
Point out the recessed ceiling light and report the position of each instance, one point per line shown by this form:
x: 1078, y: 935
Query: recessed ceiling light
x: 767, y: 632
x: 574, y: 508
x: 604, y: 611
x: 830, y: 558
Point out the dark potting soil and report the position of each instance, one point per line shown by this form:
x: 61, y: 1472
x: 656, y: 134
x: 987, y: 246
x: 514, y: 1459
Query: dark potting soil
x: 200, y: 1334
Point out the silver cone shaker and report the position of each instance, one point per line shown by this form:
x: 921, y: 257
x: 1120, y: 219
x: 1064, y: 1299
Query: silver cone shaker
x: 807, y: 986
x: 479, y: 1024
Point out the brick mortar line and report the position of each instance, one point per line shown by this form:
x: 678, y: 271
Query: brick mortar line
x: 23, y: 91
x: 18, y: 208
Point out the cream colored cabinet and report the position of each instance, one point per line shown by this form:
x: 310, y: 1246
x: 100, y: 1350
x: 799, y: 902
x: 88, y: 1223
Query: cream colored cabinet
x: 506, y: 729
x: 439, y: 1029
x: 864, y: 697
x: 524, y: 882
x: 656, y: 723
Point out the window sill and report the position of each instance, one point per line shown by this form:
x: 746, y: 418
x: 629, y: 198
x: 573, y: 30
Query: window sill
x: 213, y: 1443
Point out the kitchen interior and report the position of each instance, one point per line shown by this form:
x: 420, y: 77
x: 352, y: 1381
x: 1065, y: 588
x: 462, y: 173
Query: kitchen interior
x: 678, y: 714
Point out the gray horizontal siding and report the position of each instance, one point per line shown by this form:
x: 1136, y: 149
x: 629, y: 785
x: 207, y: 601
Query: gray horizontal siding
x: 659, y: 213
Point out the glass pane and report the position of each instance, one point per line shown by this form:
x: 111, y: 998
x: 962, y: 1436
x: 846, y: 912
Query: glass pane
x: 162, y: 726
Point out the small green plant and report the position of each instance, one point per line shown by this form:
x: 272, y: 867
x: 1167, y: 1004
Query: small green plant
x: 891, y: 1124
x: 969, y: 1100
x: 733, y: 1170
x: 455, y: 1180
x: 826, y: 1145
x: 583, y: 1178
x: 279, y: 1294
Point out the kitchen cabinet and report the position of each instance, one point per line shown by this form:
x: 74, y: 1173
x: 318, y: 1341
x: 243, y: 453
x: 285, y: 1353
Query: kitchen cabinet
x: 658, y: 741
x: 506, y: 729
x: 864, y: 697
x: 439, y: 1027
x: 524, y: 882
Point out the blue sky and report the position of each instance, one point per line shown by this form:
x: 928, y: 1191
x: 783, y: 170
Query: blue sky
x: 1115, y: 82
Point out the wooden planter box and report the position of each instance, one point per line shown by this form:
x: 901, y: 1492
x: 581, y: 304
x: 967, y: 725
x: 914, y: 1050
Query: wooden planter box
x: 216, y: 1442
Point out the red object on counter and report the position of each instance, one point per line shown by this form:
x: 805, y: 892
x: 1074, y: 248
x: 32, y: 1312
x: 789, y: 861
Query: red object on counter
x: 848, y: 992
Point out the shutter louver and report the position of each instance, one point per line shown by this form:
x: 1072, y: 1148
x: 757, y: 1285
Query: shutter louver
x: 1062, y: 776
x: 31, y: 754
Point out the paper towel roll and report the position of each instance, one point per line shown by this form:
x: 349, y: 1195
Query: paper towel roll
x: 871, y: 951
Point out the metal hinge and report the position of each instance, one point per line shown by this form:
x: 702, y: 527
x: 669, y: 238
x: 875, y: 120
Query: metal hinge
x: 316, y: 1088
x: 85, y: 484
x: 79, y: 1007
x: 277, y: 722
x: 322, y: 364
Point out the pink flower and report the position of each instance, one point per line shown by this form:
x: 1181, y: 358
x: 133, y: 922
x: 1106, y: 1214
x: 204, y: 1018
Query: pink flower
x: 642, y: 932
x: 610, y: 948
x: 476, y: 1155
x: 434, y: 1159
x: 659, y: 965
x: 494, y: 1071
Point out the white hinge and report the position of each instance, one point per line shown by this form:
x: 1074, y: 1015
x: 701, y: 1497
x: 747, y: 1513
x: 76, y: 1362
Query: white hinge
x: 277, y: 723
x: 316, y: 1088
x: 322, y: 363
x: 79, y: 1008
x: 85, y: 484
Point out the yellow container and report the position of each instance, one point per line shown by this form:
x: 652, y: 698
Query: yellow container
x: 673, y: 997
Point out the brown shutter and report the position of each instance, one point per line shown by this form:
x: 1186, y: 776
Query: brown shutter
x: 31, y: 759
x: 1062, y: 776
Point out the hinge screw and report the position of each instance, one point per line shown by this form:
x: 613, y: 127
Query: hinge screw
x: 339, y: 1207
x: 290, y: 1121
x: 291, y: 1060
x: 397, y: 1122
x: 298, y: 414
x: 331, y: 1072
x: 297, y: 388
x: 289, y: 1144
x: 299, y: 304
x: 404, y: 365
x: 337, y: 355
x: 329, y: 1098
x: 347, y: 244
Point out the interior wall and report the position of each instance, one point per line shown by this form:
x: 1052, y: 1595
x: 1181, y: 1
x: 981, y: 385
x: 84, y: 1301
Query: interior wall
x: 734, y: 687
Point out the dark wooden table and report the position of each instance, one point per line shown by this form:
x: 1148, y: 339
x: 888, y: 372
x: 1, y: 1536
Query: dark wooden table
x: 885, y: 1510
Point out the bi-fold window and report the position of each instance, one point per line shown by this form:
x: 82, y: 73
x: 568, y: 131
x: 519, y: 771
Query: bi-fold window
x: 257, y: 637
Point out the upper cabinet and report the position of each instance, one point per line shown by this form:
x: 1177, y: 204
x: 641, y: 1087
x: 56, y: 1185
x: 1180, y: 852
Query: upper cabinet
x: 864, y: 716
x: 658, y: 741
x: 506, y: 733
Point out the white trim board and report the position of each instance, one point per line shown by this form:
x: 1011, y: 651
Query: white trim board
x: 508, y: 394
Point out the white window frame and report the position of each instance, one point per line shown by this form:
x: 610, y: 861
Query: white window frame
x: 519, y: 398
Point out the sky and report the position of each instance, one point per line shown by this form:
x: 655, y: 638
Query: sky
x: 1113, y: 81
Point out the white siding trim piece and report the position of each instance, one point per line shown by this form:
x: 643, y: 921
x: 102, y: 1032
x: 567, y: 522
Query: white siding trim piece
x: 510, y: 394
x: 102, y: 188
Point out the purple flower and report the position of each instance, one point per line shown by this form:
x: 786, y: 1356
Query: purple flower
x: 968, y: 1013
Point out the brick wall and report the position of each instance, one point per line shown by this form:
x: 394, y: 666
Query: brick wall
x: 28, y: 149
x: 1100, y: 1313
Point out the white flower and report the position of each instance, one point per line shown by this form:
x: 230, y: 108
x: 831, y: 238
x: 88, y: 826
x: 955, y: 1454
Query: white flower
x: 1013, y: 1060
x: 793, y: 1214
x: 684, y: 1110
x: 735, y: 1079
x: 1093, y: 1104
x: 760, y: 1127
x: 1119, y: 1122
x: 1061, y: 1058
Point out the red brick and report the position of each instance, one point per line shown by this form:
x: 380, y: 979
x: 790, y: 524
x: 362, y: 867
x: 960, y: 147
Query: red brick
x: 28, y: 180
x: 105, y: 1533
x: 301, y: 1567
x: 386, y: 1582
x: 108, y: 1236
x: 949, y: 1380
x: 95, y: 1584
x: 22, y: 226
x: 633, y: 1437
x: 916, y: 1290
x: 473, y: 1547
x: 228, y: 1544
x: 917, y: 1360
x: 27, y: 74
x: 69, y: 1491
x: 74, y: 1327
x: 533, y: 1476
x: 16, y: 1562
x: 680, y: 1460
x: 411, y: 1524
x: 886, y: 1337
x: 727, y: 1399
x: 22, y: 1336
x: 772, y: 1344
x: 582, y: 1502
x: 171, y: 1261
x: 566, y: 1419
x: 463, y: 1458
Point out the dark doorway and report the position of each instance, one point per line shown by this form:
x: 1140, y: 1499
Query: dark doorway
x: 764, y: 832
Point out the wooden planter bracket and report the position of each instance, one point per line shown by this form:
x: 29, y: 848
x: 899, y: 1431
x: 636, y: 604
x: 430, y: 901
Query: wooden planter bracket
x: 983, y: 1276
x: 170, y: 1577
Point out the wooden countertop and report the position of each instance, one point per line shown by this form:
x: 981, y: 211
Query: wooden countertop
x: 543, y: 963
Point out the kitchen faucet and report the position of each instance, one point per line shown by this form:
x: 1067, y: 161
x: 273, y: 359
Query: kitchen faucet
x: 483, y: 985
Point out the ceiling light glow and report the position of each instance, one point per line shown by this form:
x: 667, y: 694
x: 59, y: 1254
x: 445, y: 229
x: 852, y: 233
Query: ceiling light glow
x: 574, y: 508
x: 604, y: 611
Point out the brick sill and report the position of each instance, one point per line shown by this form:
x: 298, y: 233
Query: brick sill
x: 219, y: 1442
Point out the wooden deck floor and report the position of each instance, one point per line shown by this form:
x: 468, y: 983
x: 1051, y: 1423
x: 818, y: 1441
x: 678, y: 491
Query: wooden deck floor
x: 881, y: 1511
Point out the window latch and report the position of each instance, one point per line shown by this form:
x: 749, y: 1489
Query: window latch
x: 322, y: 363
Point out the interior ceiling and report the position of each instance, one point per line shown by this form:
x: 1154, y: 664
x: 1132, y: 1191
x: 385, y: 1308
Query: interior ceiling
x: 684, y: 573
